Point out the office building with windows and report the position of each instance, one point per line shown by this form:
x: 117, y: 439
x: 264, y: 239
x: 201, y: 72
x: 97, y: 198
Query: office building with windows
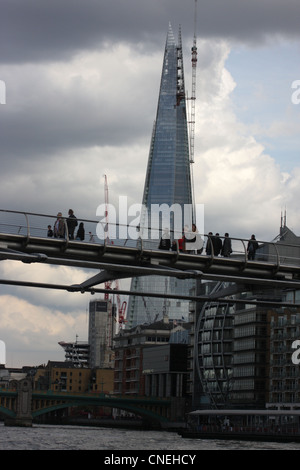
x: 101, y: 319
x: 241, y: 352
x: 167, y: 199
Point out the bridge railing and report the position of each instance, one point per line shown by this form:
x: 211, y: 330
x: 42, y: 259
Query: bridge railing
x: 31, y: 225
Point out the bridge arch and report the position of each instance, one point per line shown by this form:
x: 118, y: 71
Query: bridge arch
x: 6, y: 412
x: 149, y: 415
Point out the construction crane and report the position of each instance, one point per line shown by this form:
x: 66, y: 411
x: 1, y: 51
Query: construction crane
x: 193, y: 97
x: 120, y: 306
x: 193, y: 106
x: 106, y: 230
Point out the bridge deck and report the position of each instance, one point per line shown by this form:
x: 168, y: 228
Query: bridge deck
x: 275, y: 264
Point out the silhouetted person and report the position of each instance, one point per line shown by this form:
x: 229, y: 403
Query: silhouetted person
x: 226, y: 248
x: 217, y: 244
x: 50, y: 231
x: 252, y: 247
x: 209, y: 243
x: 71, y: 223
x: 80, y: 232
x: 165, y: 241
x: 174, y: 245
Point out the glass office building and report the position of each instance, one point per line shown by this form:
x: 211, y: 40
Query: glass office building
x: 167, y: 186
x: 168, y: 177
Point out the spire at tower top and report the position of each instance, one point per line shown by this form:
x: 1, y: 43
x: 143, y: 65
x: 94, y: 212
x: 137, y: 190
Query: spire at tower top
x: 170, y: 36
x: 283, y: 219
x: 179, y: 36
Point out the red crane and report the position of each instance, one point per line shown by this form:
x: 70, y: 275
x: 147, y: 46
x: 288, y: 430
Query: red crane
x: 193, y: 104
x: 106, y: 231
x: 121, y: 306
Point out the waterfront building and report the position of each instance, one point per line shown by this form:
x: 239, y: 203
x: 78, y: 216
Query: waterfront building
x: 167, y: 185
x: 249, y: 384
x: 67, y: 377
x: 232, y: 351
x: 101, y: 322
x: 77, y: 352
x: 102, y: 381
x: 130, y: 367
x: 285, y: 246
x: 165, y: 370
x: 62, y: 377
x: 284, y: 372
x: 240, y: 354
x: 97, y: 351
x: 211, y: 349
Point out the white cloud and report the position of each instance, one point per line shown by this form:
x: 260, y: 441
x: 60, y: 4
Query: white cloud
x: 241, y: 185
x: 94, y: 116
x: 34, y: 320
x: 28, y: 319
x: 34, y: 330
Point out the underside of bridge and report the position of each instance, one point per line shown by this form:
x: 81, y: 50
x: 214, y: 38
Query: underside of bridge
x: 118, y: 262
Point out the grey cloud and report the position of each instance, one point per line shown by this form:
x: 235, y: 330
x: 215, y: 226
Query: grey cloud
x: 39, y: 119
x: 36, y: 30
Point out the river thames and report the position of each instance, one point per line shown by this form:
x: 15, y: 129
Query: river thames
x: 107, y: 440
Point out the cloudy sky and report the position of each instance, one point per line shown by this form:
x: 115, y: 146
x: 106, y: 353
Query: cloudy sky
x: 82, y: 82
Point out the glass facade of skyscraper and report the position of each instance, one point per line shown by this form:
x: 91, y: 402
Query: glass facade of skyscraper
x: 168, y: 175
x: 168, y: 184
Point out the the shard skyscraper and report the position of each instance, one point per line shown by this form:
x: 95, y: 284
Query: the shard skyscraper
x: 168, y: 182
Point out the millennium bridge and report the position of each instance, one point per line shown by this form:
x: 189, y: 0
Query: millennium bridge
x: 23, y: 237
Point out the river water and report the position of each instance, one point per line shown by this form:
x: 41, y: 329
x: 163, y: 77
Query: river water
x: 108, y: 440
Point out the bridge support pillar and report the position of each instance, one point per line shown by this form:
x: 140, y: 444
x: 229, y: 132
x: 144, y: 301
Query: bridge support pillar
x: 23, y: 409
x: 177, y: 412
